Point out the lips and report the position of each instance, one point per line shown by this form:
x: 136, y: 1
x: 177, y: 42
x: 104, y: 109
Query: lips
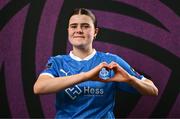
x: 78, y: 37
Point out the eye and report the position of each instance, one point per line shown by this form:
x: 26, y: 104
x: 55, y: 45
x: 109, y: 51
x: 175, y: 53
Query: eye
x: 73, y: 26
x: 85, y: 26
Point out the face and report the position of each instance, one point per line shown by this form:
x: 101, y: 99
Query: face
x: 81, y: 31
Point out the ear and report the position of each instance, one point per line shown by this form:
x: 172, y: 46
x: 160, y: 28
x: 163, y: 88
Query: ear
x: 96, y: 31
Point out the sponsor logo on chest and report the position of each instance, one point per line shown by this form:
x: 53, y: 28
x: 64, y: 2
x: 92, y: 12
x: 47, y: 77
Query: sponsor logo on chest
x: 76, y: 91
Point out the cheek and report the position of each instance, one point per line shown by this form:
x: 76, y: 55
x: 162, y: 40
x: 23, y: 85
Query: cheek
x: 90, y: 34
x: 70, y: 34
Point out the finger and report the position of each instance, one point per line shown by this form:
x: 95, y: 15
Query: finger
x: 103, y: 80
x: 112, y: 64
x: 96, y: 70
x: 104, y: 65
x: 115, y: 65
x: 121, y: 68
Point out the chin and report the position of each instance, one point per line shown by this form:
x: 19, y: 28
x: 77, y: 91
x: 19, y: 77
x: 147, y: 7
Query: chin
x: 81, y: 46
x: 78, y: 43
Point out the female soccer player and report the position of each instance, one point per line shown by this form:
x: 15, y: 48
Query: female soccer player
x: 80, y: 91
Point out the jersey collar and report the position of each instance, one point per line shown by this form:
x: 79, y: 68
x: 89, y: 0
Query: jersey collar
x: 79, y: 59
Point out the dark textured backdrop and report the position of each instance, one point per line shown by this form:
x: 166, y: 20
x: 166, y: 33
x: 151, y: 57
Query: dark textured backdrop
x: 143, y: 32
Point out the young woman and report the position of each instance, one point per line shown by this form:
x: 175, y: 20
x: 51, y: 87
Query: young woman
x: 80, y: 92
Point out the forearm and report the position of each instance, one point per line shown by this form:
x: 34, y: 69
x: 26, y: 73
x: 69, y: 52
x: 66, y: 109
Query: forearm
x: 145, y: 86
x: 46, y: 84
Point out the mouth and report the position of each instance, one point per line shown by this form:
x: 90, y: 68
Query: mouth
x: 78, y: 37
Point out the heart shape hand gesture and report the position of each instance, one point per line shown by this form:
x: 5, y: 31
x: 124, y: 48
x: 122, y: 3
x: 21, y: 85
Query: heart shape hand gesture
x: 120, y: 75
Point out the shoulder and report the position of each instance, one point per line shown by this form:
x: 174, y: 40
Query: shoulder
x: 58, y: 58
x: 116, y: 58
x: 110, y: 55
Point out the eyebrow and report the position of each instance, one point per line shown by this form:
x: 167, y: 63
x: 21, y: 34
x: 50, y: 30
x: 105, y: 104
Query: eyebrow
x: 77, y: 24
x: 72, y: 24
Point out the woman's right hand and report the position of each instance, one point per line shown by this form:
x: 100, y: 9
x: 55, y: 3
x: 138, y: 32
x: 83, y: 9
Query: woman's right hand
x: 93, y: 74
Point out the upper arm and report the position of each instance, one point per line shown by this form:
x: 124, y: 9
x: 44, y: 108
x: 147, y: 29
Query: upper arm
x: 51, y: 68
x: 44, y: 76
x: 41, y: 82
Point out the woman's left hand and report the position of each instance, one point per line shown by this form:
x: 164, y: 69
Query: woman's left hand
x: 120, y: 75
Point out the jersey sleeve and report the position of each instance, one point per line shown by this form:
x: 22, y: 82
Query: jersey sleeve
x: 51, y: 68
x: 124, y: 86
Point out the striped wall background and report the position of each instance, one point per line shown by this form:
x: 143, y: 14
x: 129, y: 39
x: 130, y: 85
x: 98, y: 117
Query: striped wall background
x: 146, y: 33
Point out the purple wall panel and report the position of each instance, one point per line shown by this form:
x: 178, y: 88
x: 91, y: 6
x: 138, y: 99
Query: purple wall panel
x: 11, y: 38
x: 11, y: 45
x: 45, y: 45
x: 3, y: 3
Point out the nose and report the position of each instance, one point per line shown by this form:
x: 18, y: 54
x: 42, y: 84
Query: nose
x: 79, y: 29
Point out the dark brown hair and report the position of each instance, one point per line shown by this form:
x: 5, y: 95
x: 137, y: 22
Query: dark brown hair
x: 84, y: 11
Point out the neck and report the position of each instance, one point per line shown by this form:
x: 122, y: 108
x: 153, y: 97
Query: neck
x: 82, y: 53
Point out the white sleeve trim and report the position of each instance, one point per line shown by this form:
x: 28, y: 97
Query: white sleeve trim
x: 47, y: 74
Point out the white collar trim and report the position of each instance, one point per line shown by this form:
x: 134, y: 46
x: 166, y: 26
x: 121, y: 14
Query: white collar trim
x: 79, y: 59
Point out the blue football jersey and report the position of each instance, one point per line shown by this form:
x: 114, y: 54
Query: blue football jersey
x: 90, y: 99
